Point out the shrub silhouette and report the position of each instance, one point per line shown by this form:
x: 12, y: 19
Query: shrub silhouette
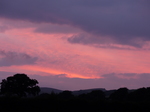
x: 66, y: 95
x: 141, y: 94
x: 96, y: 95
x: 120, y: 94
x: 20, y: 85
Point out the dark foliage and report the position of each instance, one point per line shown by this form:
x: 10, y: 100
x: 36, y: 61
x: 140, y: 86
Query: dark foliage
x: 65, y: 95
x: 53, y: 102
x: 120, y: 94
x: 121, y: 100
x: 20, y: 85
x: 141, y: 94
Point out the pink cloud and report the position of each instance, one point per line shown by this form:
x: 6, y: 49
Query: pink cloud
x: 55, y: 55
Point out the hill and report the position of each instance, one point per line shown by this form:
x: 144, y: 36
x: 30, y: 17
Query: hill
x: 77, y: 92
x: 49, y: 90
x: 85, y: 91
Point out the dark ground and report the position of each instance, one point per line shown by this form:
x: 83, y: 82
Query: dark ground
x: 120, y: 100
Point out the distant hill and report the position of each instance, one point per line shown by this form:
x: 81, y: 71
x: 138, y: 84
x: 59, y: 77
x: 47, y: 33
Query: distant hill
x: 49, y: 90
x: 78, y: 92
x: 85, y: 91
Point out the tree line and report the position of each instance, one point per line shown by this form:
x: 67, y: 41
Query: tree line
x: 15, y: 89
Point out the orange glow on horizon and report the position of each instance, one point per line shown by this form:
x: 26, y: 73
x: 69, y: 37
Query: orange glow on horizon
x: 39, y: 70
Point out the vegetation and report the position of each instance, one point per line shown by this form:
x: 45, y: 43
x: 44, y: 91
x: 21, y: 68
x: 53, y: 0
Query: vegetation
x: 121, y: 100
x: 20, y: 85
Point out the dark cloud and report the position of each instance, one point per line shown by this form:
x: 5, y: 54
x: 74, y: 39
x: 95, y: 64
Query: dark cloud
x: 104, y: 42
x: 123, y: 21
x: 86, y: 39
x: 13, y: 58
x: 56, y: 29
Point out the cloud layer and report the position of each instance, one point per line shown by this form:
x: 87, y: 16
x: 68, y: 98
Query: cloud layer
x: 125, y: 22
x: 13, y: 58
x: 98, y: 43
x: 109, y: 81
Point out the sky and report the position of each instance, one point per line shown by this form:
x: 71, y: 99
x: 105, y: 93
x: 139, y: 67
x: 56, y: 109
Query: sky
x: 76, y: 44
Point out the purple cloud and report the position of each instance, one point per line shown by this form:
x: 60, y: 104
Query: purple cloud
x: 110, y: 81
x: 13, y: 58
x: 126, y: 22
x: 50, y: 28
x: 3, y: 29
x: 4, y: 75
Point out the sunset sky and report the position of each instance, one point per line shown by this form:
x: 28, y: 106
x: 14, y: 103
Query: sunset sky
x: 77, y: 44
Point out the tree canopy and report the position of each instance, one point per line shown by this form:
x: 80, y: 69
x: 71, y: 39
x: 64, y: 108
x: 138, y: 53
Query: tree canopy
x: 20, y: 85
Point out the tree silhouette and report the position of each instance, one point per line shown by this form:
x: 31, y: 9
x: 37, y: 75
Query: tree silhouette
x: 96, y: 95
x: 66, y: 95
x: 120, y: 94
x: 141, y: 94
x: 20, y: 85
